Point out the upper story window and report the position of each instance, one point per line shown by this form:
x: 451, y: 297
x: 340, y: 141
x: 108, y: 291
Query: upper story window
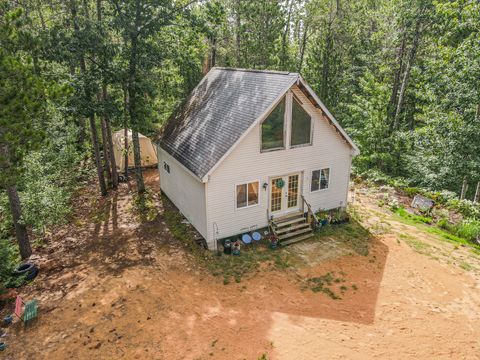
x: 272, y: 128
x: 301, y: 125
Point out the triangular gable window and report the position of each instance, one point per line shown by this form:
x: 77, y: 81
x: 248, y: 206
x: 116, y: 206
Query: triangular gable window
x: 272, y: 128
x: 301, y: 125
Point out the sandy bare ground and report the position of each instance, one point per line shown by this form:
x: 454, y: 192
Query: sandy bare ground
x: 115, y: 288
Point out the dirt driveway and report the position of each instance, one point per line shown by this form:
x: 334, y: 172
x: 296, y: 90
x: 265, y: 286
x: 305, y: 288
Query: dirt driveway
x: 113, y: 287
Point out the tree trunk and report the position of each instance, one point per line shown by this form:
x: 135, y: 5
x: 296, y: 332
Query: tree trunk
x: 113, y: 163
x: 106, y: 150
x: 477, y: 193
x: 132, y: 101
x: 125, y: 131
x: 88, y: 98
x: 238, y: 39
x: 324, y: 85
x: 396, y: 81
x: 463, y: 193
x: 20, y: 229
x: 406, y: 75
x: 286, y: 32
x: 106, y: 131
x: 213, y: 56
x: 138, y: 162
x: 303, y: 47
x: 96, y: 149
x: 125, y: 137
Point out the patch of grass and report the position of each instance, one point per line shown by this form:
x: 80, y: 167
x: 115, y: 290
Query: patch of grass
x: 441, y: 233
x: 466, y: 266
x: 144, y: 206
x: 249, y: 261
x: 404, y: 214
x: 354, y: 287
x: 231, y: 268
x: 323, y: 284
x: 418, y: 245
x: 352, y: 234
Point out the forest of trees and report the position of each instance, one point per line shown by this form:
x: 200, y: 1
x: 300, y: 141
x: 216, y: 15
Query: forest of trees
x: 401, y: 76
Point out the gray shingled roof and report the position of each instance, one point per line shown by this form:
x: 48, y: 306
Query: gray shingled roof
x: 217, y: 112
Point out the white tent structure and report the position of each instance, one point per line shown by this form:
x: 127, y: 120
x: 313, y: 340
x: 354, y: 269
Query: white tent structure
x: 148, y: 152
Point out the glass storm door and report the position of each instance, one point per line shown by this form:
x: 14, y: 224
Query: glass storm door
x: 284, y: 193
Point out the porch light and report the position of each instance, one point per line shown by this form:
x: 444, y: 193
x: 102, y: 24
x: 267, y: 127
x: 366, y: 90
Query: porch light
x: 265, y: 185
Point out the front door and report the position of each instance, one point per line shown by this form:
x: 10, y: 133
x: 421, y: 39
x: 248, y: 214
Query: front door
x: 284, y: 194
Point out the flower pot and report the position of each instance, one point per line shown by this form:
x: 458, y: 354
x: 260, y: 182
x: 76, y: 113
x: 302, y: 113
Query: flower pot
x: 227, y: 247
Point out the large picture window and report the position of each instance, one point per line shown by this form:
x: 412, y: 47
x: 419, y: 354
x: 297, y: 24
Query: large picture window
x: 301, y: 125
x: 247, y: 194
x: 320, y: 179
x: 272, y: 128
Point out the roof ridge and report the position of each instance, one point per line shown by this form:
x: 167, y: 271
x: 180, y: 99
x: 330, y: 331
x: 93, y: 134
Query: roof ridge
x: 255, y: 70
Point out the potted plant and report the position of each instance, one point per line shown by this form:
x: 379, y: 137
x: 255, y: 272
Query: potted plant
x: 323, y: 217
x: 273, y: 241
x: 236, y: 248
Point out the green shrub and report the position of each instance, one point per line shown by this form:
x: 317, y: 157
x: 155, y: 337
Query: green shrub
x: 468, y: 229
x: 411, y: 191
x: 8, y: 259
x: 444, y: 224
x: 144, y: 206
x: 467, y: 208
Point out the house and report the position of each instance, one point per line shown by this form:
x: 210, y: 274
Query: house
x: 249, y: 149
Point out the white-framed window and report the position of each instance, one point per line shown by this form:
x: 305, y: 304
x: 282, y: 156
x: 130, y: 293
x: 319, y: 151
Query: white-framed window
x: 246, y: 194
x: 301, y: 129
x: 272, y: 128
x: 320, y: 179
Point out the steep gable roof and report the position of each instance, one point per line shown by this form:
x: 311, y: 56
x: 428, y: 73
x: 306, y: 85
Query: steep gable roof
x: 223, y: 106
x: 217, y: 112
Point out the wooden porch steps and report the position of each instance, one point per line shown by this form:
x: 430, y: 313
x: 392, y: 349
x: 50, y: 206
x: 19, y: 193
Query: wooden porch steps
x: 291, y: 228
x: 285, y: 229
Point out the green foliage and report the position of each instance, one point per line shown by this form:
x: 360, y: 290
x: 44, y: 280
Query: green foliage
x: 22, y: 101
x: 467, y: 208
x: 352, y: 234
x: 413, y: 217
x: 467, y: 229
x: 324, y: 284
x: 8, y: 259
x: 145, y: 206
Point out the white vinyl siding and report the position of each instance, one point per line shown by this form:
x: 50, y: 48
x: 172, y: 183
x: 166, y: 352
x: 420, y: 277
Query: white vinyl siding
x: 247, y: 161
x: 184, y: 190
